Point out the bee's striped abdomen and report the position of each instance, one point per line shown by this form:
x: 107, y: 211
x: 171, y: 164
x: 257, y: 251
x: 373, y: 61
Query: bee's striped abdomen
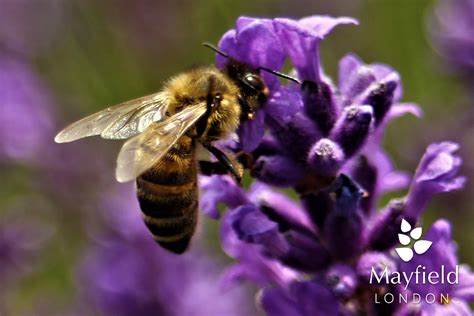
x: 168, y: 198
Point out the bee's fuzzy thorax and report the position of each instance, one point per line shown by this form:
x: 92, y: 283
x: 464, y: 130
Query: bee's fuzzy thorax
x: 195, y: 86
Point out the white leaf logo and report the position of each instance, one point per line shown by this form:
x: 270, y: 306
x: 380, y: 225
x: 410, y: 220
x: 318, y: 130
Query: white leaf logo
x: 406, y: 254
x: 416, y: 233
x: 406, y: 227
x: 404, y: 239
x: 421, y: 246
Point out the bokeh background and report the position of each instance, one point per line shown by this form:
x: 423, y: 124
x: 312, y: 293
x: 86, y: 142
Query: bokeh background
x: 71, y: 240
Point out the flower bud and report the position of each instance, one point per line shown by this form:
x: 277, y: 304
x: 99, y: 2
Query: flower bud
x: 377, y: 261
x: 384, y: 228
x: 252, y: 226
x: 352, y: 128
x: 436, y: 173
x: 366, y: 175
x: 343, y: 226
x: 277, y: 170
x: 306, y: 252
x: 318, y: 104
x: 381, y: 99
x: 297, y: 137
x: 342, y: 280
x: 326, y: 157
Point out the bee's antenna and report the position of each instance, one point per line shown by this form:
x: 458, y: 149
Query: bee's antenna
x: 217, y: 50
x: 279, y: 74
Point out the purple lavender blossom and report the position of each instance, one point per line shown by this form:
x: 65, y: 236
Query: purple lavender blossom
x: 124, y: 273
x: 26, y: 114
x: 436, y: 173
x: 316, y: 255
x: 301, y: 39
x: 451, y: 27
x: 450, y: 298
x: 20, y: 243
x: 264, y: 43
x: 265, y: 50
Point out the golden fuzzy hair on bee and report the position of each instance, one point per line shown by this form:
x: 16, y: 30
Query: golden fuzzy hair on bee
x: 198, y: 106
x: 195, y: 86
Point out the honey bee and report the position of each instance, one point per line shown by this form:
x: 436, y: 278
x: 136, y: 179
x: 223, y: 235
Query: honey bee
x: 201, y: 105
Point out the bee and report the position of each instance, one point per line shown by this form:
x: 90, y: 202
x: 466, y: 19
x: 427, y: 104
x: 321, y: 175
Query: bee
x: 199, y: 106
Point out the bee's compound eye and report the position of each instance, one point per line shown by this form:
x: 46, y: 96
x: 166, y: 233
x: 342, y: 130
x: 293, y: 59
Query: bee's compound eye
x: 255, y: 82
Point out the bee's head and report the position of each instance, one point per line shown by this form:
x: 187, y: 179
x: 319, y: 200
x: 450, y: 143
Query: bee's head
x: 253, y: 90
x: 253, y: 84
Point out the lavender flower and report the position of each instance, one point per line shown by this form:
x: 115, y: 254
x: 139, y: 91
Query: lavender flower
x: 449, y: 298
x: 258, y: 35
x: 436, y: 173
x: 301, y: 39
x: 258, y: 42
x: 124, y: 273
x: 20, y: 243
x: 451, y: 27
x: 26, y: 114
x: 317, y: 255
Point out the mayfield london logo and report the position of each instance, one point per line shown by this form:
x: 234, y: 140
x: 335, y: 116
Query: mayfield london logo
x: 407, y: 236
x: 412, y: 282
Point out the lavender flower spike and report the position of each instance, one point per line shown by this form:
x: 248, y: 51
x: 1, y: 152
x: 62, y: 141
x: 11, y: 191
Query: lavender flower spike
x: 301, y: 39
x: 451, y: 29
x: 450, y: 297
x: 436, y: 173
x: 316, y: 254
x: 26, y: 120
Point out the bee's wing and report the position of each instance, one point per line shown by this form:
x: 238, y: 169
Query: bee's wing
x: 142, y: 151
x: 120, y: 121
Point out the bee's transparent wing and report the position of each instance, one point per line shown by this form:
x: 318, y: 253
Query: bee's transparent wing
x: 120, y: 121
x: 137, y: 121
x: 142, y: 151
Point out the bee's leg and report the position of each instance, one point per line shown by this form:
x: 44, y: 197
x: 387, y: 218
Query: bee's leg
x: 230, y: 165
x: 246, y: 160
x: 247, y: 112
x: 208, y: 168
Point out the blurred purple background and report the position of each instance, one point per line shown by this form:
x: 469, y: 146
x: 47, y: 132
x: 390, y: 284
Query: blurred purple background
x: 71, y: 239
